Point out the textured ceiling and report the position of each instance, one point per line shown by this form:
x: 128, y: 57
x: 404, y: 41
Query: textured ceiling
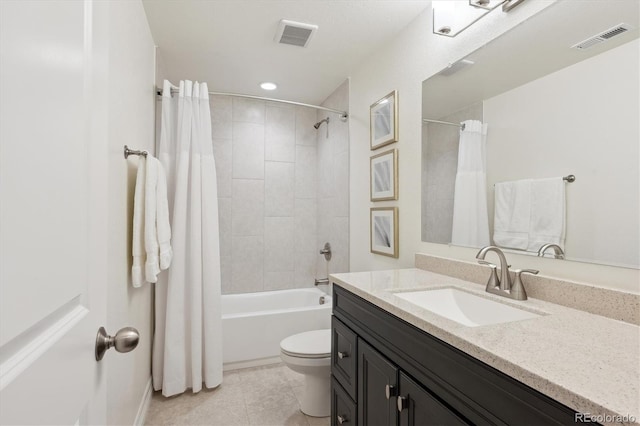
x: 229, y: 43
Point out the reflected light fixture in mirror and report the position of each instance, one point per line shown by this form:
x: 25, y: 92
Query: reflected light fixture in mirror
x: 450, y: 18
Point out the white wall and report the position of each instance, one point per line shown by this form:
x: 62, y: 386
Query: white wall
x: 402, y: 64
x: 131, y: 121
x: 581, y: 120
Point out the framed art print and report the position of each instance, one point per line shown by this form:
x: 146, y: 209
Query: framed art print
x: 384, y: 121
x: 384, y: 231
x: 383, y: 174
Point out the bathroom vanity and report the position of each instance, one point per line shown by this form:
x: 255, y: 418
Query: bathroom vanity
x: 394, y: 363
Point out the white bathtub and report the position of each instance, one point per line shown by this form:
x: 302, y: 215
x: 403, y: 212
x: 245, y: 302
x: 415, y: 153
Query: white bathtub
x: 253, y: 324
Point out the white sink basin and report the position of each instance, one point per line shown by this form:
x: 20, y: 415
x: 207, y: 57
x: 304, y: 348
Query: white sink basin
x: 465, y: 308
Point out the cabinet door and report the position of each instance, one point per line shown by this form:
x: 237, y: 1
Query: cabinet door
x: 418, y: 407
x: 377, y: 385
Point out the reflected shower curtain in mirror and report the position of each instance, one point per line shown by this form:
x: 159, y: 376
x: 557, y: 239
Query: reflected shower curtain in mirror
x: 470, y: 218
x: 187, y: 349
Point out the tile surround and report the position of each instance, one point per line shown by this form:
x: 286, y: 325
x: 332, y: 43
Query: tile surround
x: 268, y: 184
x: 333, y: 184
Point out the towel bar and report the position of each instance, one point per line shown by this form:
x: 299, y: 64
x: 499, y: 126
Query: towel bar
x: 128, y: 152
x: 568, y: 178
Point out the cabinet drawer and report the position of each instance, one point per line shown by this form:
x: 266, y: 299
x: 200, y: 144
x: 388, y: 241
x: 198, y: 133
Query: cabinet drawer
x: 343, y: 409
x: 344, y: 356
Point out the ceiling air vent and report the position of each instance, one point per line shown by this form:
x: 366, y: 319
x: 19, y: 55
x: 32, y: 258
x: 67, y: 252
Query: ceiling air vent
x: 603, y: 36
x: 295, y: 33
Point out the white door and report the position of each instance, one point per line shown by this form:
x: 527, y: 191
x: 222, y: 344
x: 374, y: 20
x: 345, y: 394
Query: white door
x: 53, y: 222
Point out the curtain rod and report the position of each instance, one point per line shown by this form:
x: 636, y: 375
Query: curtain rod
x: 428, y: 120
x: 343, y: 114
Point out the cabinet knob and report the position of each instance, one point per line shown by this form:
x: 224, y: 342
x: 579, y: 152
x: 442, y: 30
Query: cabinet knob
x: 402, y: 403
x: 342, y: 355
x: 342, y: 419
x: 390, y: 390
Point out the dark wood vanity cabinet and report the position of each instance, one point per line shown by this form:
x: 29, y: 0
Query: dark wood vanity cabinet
x: 387, y: 372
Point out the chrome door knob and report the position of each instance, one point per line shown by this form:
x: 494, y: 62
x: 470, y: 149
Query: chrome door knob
x: 343, y: 355
x: 125, y: 340
x: 342, y: 419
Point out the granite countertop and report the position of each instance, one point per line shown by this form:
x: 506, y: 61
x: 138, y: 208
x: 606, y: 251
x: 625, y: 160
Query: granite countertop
x: 585, y: 361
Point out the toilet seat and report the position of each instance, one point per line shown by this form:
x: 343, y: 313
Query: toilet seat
x: 310, y: 344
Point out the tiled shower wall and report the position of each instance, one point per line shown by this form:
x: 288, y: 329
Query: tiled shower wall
x: 333, y: 183
x: 439, y: 167
x: 266, y: 161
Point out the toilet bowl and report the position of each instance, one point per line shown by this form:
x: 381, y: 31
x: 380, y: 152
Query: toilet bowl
x: 309, y: 353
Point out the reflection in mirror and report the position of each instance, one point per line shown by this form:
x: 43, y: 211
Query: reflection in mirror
x: 550, y: 110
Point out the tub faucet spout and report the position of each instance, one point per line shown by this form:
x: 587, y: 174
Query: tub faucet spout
x: 322, y: 281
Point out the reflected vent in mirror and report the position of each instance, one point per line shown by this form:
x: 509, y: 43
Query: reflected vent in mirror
x: 295, y: 33
x: 603, y: 36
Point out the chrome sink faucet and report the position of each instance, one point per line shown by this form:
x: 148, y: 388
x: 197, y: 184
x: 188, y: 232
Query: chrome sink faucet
x: 503, y: 286
x: 557, y: 250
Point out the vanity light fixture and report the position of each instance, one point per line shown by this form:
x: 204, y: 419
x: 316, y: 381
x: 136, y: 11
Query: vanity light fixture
x: 451, y: 18
x: 267, y: 85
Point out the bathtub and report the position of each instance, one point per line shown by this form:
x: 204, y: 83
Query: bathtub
x: 253, y: 324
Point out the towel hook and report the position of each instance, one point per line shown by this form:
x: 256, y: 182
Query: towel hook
x: 128, y: 152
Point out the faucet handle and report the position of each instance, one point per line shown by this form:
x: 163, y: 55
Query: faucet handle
x: 517, y: 289
x: 493, y: 282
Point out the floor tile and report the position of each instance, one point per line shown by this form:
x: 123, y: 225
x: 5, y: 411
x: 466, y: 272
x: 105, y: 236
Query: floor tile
x: 261, y: 396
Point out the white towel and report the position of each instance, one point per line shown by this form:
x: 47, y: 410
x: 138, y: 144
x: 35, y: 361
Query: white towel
x: 152, y: 265
x: 512, y: 214
x: 547, y: 213
x: 529, y: 213
x: 157, y: 231
x: 137, y: 248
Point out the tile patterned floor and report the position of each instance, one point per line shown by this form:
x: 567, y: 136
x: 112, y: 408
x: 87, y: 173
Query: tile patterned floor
x: 262, y: 396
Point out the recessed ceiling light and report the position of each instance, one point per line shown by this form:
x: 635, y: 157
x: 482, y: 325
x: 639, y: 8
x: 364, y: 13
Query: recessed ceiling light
x: 267, y: 85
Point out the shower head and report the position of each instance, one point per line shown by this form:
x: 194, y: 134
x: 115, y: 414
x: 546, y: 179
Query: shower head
x: 319, y: 123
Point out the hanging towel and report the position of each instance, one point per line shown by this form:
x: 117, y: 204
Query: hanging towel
x: 157, y: 232
x: 138, y: 249
x: 512, y: 214
x: 547, y: 213
x: 529, y: 213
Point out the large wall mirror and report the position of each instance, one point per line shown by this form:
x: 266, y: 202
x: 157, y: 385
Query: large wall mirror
x: 550, y: 110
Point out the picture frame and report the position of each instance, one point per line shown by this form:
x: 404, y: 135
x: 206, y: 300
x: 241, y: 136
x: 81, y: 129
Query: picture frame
x: 384, y: 231
x: 383, y: 176
x: 384, y: 121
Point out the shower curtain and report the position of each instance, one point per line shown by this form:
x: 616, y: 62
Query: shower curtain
x: 187, y: 343
x: 470, y: 218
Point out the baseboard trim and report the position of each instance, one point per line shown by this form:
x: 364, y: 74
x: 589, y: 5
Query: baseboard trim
x: 143, y: 408
x: 229, y: 366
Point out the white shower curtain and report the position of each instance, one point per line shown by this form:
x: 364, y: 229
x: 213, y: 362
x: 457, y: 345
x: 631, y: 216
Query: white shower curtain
x: 187, y: 343
x: 470, y: 218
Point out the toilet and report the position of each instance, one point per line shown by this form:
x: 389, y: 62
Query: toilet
x: 309, y: 353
